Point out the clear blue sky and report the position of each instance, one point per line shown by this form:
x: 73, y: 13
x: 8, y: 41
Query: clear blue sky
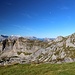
x: 40, y: 18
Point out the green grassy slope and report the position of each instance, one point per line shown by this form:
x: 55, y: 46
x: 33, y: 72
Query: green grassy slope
x: 39, y: 69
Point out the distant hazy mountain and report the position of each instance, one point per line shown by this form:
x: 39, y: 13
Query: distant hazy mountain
x: 2, y: 37
x: 41, y: 39
x: 14, y: 36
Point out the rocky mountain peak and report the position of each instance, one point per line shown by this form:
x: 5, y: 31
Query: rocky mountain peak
x: 59, y: 38
x: 23, y: 50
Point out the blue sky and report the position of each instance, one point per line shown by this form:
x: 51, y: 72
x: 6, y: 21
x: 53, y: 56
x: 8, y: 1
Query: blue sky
x: 40, y: 18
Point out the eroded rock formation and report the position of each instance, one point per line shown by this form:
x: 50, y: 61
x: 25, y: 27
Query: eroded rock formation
x: 23, y: 50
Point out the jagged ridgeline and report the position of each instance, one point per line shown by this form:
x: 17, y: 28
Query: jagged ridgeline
x: 23, y: 50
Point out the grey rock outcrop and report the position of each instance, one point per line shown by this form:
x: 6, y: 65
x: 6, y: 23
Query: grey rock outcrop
x: 23, y: 50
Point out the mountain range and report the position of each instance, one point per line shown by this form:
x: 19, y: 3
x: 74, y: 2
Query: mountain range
x: 3, y: 37
x: 26, y: 50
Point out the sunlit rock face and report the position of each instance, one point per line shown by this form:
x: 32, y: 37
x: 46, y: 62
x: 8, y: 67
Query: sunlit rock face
x: 24, y: 50
x: 59, y: 38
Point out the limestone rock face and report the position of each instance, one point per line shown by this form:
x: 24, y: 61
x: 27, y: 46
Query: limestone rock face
x: 68, y: 59
x: 23, y: 50
x: 53, y: 57
x: 59, y: 38
x: 70, y: 42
